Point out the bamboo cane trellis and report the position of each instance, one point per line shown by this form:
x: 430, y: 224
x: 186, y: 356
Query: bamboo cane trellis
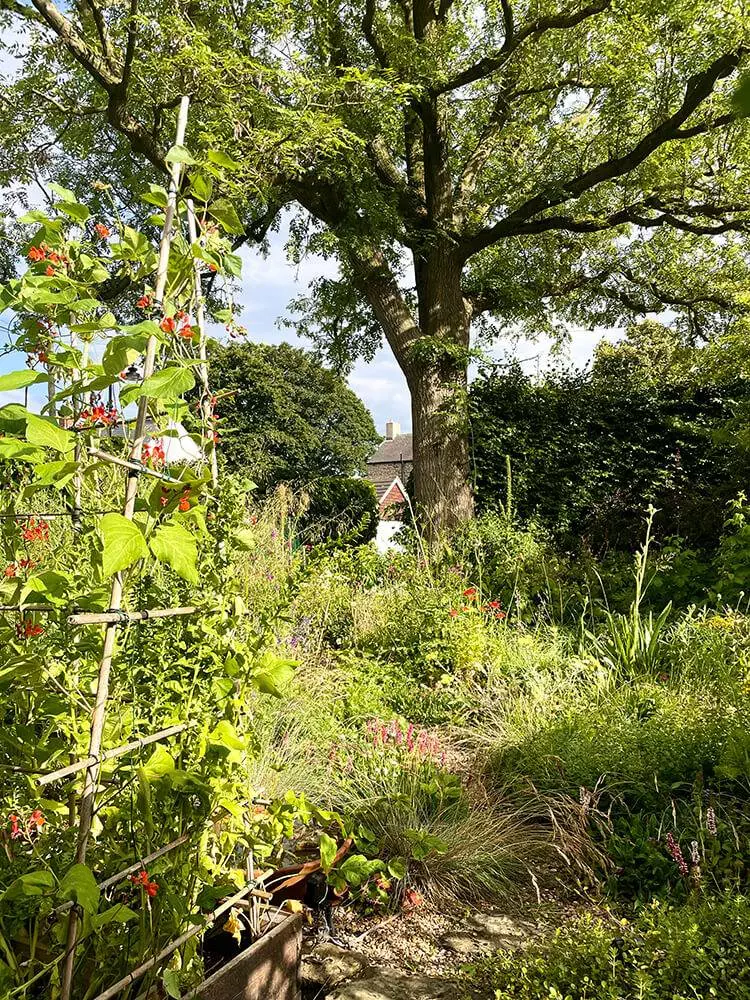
x: 116, y: 616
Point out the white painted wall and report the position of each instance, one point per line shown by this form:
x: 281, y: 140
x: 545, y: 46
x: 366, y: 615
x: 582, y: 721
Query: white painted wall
x: 384, y: 537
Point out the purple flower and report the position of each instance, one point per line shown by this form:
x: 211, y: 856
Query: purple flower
x: 676, y: 854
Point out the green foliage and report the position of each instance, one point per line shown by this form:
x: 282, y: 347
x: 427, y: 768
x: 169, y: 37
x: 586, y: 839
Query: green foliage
x: 713, y: 833
x: 642, y: 739
x: 700, y: 950
x: 287, y: 417
x: 341, y: 510
x: 589, y: 451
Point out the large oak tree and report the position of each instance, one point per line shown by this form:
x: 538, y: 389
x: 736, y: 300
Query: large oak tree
x: 473, y: 166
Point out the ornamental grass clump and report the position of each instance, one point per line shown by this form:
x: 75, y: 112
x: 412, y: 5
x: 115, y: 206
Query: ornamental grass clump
x: 409, y: 793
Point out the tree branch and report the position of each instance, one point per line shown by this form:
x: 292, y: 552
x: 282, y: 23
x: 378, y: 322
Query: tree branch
x: 666, y: 298
x: 489, y: 64
x: 508, y: 21
x: 376, y: 282
x: 78, y: 47
x: 699, y: 87
x: 570, y: 224
x: 410, y: 202
x: 101, y: 30
x: 132, y: 32
x: 492, y: 300
x: 368, y: 29
x: 496, y: 121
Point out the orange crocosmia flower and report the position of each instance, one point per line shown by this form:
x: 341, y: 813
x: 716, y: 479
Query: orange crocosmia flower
x: 37, y: 819
x: 470, y: 592
x: 184, y: 504
x: 168, y: 324
x: 101, y: 230
x: 49, y: 271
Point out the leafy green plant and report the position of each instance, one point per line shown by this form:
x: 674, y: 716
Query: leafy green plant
x: 340, y: 509
x: 700, y: 950
x: 633, y: 643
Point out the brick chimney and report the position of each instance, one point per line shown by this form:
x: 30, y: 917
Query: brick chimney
x: 392, y: 430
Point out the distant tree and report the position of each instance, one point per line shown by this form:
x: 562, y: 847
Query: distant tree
x: 284, y: 417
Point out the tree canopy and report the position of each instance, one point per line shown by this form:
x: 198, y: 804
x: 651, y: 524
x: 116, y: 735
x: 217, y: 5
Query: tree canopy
x: 471, y: 166
x: 285, y: 417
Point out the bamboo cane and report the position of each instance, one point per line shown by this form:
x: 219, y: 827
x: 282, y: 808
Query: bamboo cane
x: 78, y: 481
x: 93, y: 760
x: 60, y: 513
x: 133, y: 466
x: 119, y: 616
x: 102, y: 686
x: 206, y: 410
x: 27, y: 607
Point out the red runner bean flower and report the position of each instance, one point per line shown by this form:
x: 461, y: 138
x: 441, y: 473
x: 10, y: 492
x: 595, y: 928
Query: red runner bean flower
x: 35, y: 531
x: 142, y: 879
x: 28, y: 629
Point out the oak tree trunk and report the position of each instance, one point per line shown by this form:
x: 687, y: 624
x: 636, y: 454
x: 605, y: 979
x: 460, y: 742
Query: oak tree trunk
x: 442, y: 494
x: 437, y: 378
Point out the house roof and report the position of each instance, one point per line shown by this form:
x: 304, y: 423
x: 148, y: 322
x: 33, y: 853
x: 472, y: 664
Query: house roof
x: 394, y: 487
x: 398, y: 449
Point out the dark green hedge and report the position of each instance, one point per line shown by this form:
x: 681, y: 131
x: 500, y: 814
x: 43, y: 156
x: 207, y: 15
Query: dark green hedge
x: 589, y: 453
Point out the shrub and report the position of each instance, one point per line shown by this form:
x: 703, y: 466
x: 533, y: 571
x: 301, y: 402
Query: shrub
x: 699, y: 950
x: 341, y: 509
x: 590, y: 449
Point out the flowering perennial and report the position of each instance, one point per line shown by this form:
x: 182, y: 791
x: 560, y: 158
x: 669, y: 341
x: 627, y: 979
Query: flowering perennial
x: 676, y: 854
x: 31, y: 828
x: 35, y: 531
x: 153, y: 453
x: 28, y: 629
x: 411, y: 739
x: 141, y: 879
x: 97, y: 415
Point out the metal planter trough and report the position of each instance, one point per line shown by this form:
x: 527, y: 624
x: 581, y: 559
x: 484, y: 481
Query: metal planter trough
x: 266, y: 970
